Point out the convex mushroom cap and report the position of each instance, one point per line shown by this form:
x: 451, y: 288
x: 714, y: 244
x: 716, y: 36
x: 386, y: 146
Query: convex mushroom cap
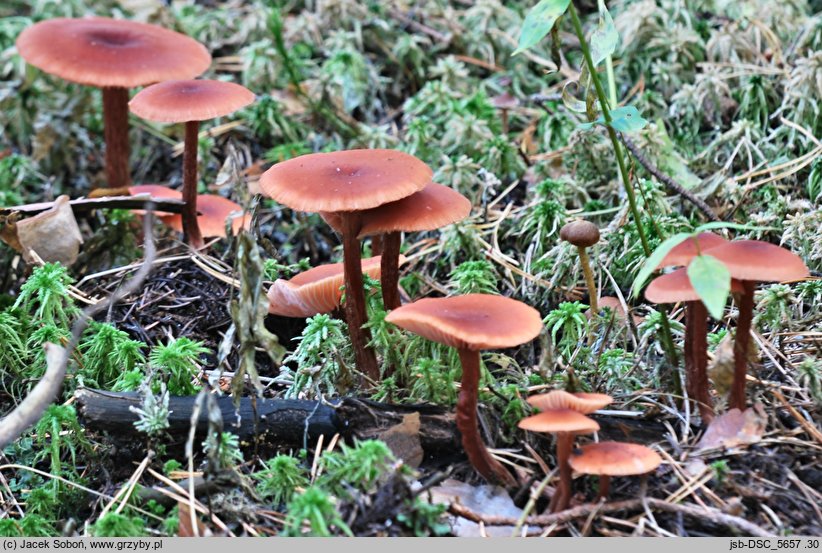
x: 614, y: 459
x: 559, y: 420
x: 754, y: 260
x: 580, y: 402
x: 685, y: 251
x: 433, y: 207
x: 472, y: 322
x: 315, y: 291
x: 676, y: 286
x: 350, y: 180
x: 582, y: 234
x: 213, y: 212
x: 103, y: 52
x: 189, y: 100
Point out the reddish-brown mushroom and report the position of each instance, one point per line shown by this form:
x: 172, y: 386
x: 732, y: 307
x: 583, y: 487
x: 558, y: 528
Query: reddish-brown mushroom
x: 505, y: 102
x: 752, y: 261
x: 583, y: 235
x: 565, y: 423
x: 114, y: 55
x: 581, y: 402
x: 607, y: 459
x: 472, y: 323
x: 348, y: 183
x: 214, y: 211
x: 431, y: 208
x: 676, y: 287
x: 685, y: 251
x: 318, y: 290
x: 190, y: 102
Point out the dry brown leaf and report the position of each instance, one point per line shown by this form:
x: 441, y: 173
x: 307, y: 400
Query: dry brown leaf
x: 53, y: 234
x: 404, y: 440
x: 735, y: 428
x: 185, y: 529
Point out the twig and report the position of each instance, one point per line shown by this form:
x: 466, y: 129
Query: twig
x: 34, y: 405
x: 169, y: 205
x: 704, y: 513
x: 667, y: 180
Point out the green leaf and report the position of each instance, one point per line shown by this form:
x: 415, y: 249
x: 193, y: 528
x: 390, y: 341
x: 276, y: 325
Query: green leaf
x: 723, y: 224
x: 712, y: 281
x: 539, y: 22
x: 655, y: 259
x: 623, y: 119
x: 604, y: 38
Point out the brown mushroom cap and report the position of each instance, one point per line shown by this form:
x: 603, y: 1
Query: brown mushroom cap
x: 760, y: 261
x: 190, y: 100
x: 582, y: 234
x: 473, y: 321
x: 433, y: 207
x: 682, y: 253
x: 559, y: 420
x: 505, y: 101
x: 676, y: 286
x: 214, y: 210
x: 580, y: 402
x: 614, y: 459
x: 316, y: 290
x: 155, y: 191
x: 103, y: 52
x: 350, y: 180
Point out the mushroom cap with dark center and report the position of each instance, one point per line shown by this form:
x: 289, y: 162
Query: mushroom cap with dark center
x: 559, y: 420
x: 350, y: 180
x: 103, y: 52
x: 676, y: 286
x: 682, y: 253
x: 189, y: 100
x: 433, y: 207
x: 314, y: 291
x: 760, y: 261
x: 582, y: 234
x: 214, y: 210
x: 473, y: 321
x: 614, y: 459
x: 580, y: 402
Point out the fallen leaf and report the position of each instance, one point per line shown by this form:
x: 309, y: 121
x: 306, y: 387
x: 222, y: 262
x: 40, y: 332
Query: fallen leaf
x: 53, y: 234
x: 735, y: 428
x: 483, y: 500
x: 184, y: 528
x: 404, y: 440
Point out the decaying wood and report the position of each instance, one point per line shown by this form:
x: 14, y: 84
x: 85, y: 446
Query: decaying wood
x: 281, y: 422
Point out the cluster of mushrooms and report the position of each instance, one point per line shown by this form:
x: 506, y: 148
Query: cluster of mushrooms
x: 381, y: 194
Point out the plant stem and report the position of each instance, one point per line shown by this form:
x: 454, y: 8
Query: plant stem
x: 741, y: 345
x: 609, y: 64
x: 115, y: 131
x: 191, y: 229
x: 355, y: 297
x: 390, y: 270
x: 477, y: 453
x: 667, y: 338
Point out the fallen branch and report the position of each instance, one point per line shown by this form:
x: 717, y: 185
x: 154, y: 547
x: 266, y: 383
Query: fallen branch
x: 29, y: 411
x: 168, y: 205
x: 708, y: 514
x: 668, y: 181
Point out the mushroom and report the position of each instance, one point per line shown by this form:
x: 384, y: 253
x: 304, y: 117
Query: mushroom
x: 155, y: 191
x: 682, y: 254
x: 347, y: 183
x: 315, y: 291
x: 213, y: 212
x: 114, y: 55
x: 607, y: 459
x: 433, y: 207
x: 676, y: 287
x: 471, y: 323
x: 190, y: 102
x: 565, y: 423
x: 583, y: 234
x: 505, y: 102
x: 752, y: 261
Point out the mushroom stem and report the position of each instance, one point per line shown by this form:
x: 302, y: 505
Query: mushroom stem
x: 477, y: 453
x: 191, y: 230
x: 376, y: 244
x: 604, y: 486
x: 585, y: 261
x: 741, y: 344
x: 696, y: 358
x: 355, y: 297
x: 115, y: 123
x: 504, y: 120
x: 565, y: 443
x: 390, y: 270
